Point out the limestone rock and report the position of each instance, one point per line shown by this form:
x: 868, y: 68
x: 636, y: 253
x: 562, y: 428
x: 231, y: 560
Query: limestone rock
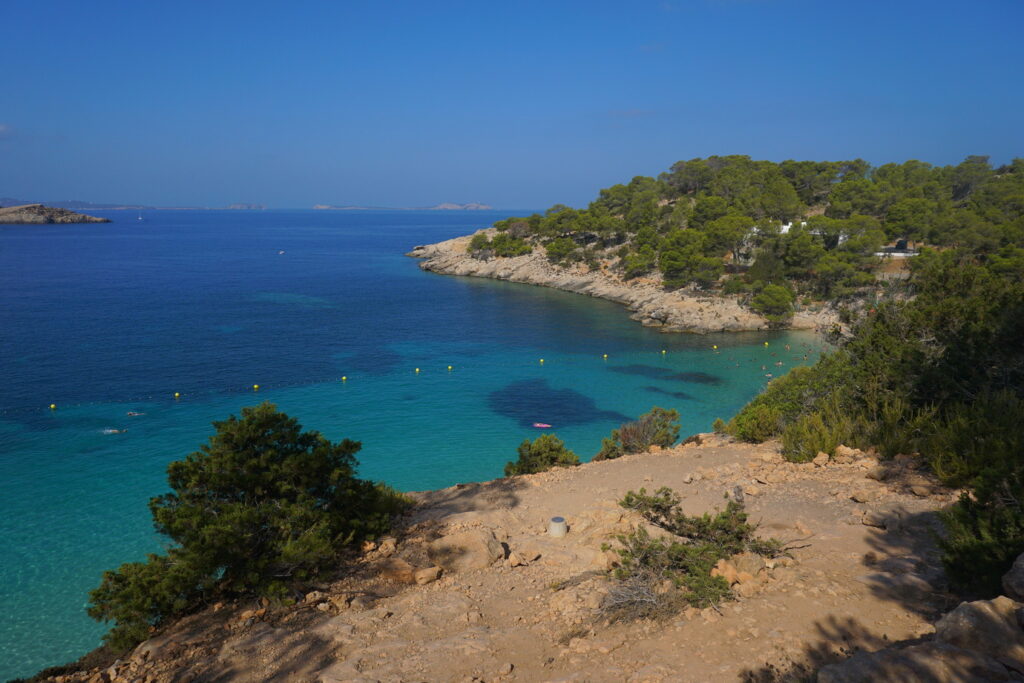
x: 1013, y: 580
x: 466, y: 550
x: 931, y: 662
x: 844, y: 455
x: 428, y: 575
x: 864, y: 495
x: 821, y: 459
x: 987, y: 626
x: 396, y: 569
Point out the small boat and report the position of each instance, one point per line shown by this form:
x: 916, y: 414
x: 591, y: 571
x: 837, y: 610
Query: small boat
x: 542, y: 425
x: 133, y: 413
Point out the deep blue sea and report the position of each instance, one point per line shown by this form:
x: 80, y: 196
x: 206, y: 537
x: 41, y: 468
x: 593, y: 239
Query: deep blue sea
x: 106, y: 319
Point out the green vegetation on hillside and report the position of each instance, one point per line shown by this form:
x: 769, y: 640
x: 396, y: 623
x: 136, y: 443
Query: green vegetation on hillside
x: 938, y: 371
x: 258, y: 510
x: 756, y: 228
x: 540, y: 455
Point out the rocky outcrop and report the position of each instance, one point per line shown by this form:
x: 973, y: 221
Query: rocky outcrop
x: 39, y: 214
x: 653, y: 306
x: 977, y: 641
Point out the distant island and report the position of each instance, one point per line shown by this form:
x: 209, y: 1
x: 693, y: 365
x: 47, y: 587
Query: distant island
x: 73, y: 204
x: 445, y: 206
x: 246, y: 207
x: 38, y: 214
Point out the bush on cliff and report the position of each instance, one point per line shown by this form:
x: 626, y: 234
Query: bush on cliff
x: 545, y: 452
x: 658, y: 427
x: 259, y: 508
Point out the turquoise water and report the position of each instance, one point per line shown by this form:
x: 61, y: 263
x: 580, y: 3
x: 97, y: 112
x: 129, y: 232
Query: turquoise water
x: 103, y: 320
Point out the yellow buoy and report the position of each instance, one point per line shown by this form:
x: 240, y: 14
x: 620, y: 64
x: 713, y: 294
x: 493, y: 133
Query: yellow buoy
x: 606, y: 356
x: 766, y: 343
x: 449, y: 368
x: 417, y: 370
x: 53, y: 406
x: 344, y: 378
x: 255, y: 387
x: 714, y: 346
x: 663, y: 352
x: 176, y: 395
x: 542, y: 361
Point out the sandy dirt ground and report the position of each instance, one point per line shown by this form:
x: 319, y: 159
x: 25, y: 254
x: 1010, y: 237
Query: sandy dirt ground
x: 516, y: 604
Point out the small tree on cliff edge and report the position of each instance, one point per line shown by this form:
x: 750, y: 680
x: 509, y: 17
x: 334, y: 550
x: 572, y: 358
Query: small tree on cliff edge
x: 262, y: 506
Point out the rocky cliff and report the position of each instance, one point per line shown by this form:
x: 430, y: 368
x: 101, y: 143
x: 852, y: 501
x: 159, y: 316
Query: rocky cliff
x: 653, y: 306
x: 39, y: 214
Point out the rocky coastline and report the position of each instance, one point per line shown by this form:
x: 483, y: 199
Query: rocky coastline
x: 37, y: 214
x: 652, y: 305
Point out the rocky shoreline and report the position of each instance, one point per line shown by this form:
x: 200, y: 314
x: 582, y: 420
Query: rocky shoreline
x: 37, y: 214
x: 652, y: 305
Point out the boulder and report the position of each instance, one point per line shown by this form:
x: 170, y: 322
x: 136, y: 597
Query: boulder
x: 987, y: 626
x: 466, y: 550
x: 821, y: 459
x: 931, y: 662
x: 844, y: 455
x: 1013, y: 580
x: 889, y: 517
x: 428, y: 575
x: 864, y: 495
x: 396, y: 569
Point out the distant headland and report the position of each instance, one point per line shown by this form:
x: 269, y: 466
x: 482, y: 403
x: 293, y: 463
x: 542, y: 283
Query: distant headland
x: 38, y: 214
x: 444, y: 206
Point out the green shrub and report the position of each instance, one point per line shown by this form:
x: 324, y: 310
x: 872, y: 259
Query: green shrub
x: 560, y: 248
x: 685, y: 561
x: 814, y: 433
x: 505, y: 245
x: 657, y: 427
x: 788, y: 397
x: 774, y: 302
x: 718, y: 426
x: 545, y: 452
x: 479, y: 242
x: 261, y: 507
x: 984, y: 535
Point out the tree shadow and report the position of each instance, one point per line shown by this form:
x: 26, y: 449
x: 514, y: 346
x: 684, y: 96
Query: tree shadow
x: 534, y: 400
x: 837, y: 639
x: 681, y: 395
x: 484, y: 496
x: 666, y: 374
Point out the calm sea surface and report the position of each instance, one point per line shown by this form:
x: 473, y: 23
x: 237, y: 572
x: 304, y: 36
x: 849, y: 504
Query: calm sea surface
x: 106, y: 319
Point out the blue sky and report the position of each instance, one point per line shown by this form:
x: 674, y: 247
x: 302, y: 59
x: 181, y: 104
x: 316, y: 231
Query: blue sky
x: 515, y: 104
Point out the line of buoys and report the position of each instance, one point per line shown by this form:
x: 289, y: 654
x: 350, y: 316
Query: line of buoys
x: 256, y: 387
